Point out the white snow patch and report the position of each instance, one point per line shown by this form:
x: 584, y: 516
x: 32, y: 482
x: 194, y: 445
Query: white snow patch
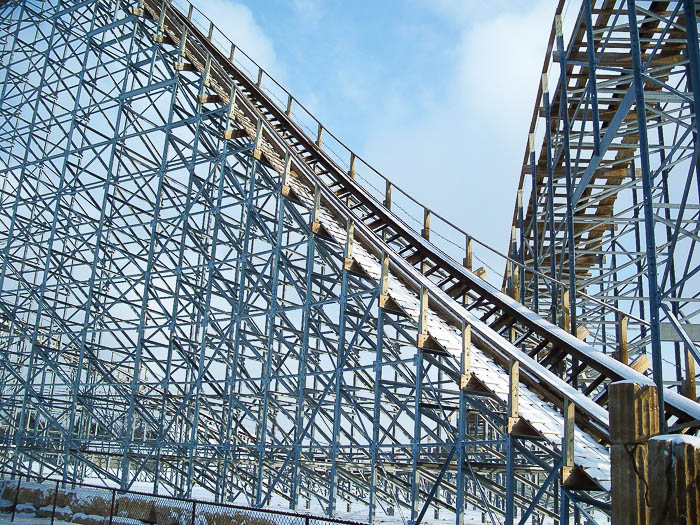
x: 678, y: 439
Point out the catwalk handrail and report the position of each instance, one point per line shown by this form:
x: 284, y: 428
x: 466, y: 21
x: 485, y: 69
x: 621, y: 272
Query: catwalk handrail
x: 353, y: 158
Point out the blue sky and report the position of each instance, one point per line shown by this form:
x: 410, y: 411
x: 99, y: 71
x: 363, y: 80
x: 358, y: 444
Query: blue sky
x: 437, y: 95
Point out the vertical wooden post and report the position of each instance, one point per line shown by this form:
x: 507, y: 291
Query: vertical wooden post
x: 508, y: 287
x: 513, y: 393
x: 231, y: 109
x: 350, y: 234
x: 138, y: 10
x: 387, y: 195
x: 466, y: 355
x: 207, y: 70
x: 568, y: 441
x: 689, y: 390
x: 515, y: 270
x: 351, y: 172
x: 468, y: 254
x: 233, y: 50
x: 319, y: 136
x: 426, y: 224
x: 384, y: 285
x: 624, y: 347
x: 286, y: 172
x: 183, y: 44
x: 634, y: 418
x: 468, y: 264
x: 257, y: 152
x: 161, y: 18
x: 289, y: 105
x: 211, y: 31
x: 674, y: 491
x: 260, y: 77
x: 315, y: 225
x: 565, y: 312
x: 423, y: 318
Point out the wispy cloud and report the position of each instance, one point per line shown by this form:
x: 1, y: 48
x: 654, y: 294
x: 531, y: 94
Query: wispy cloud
x: 309, y: 10
x: 238, y: 23
x: 437, y: 94
x: 461, y: 150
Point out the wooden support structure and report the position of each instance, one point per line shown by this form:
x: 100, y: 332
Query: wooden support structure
x: 568, y: 441
x: 674, y: 479
x: 513, y: 393
x: 514, y: 269
x: 423, y: 318
x: 385, y: 301
x: 634, y: 419
x: 286, y: 189
x: 387, y: 195
x: 349, y: 263
x: 466, y: 355
x: 623, y: 355
x: 182, y: 46
x: 257, y: 152
x: 209, y: 98
x: 468, y: 254
x: 582, y: 332
x: 230, y: 134
x: 351, y: 171
x: 689, y: 389
x: 426, y: 224
x: 565, y: 311
x: 424, y: 339
x: 316, y: 227
x: 319, y: 136
x: 184, y: 66
x: 206, y: 75
x: 162, y: 38
x: 349, y: 238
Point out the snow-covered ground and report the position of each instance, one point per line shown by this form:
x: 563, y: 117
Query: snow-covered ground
x: 82, y: 497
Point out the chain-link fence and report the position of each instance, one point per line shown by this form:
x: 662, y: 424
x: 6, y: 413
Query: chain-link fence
x: 32, y: 499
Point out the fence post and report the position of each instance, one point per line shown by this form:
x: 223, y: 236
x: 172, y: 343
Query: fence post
x: 633, y: 420
x: 306, y: 520
x: 194, y: 507
x: 111, y: 509
x: 55, y: 497
x: 14, y: 505
x: 674, y: 493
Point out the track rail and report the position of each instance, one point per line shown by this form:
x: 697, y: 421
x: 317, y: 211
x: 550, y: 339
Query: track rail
x: 455, y: 292
x: 503, y: 329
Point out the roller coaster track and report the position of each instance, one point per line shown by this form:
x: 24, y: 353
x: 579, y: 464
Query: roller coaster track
x: 596, y: 152
x: 490, y: 347
x: 382, y: 232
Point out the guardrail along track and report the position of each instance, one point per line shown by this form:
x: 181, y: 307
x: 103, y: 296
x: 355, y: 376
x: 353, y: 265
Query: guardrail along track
x: 346, y: 384
x: 456, y: 294
x: 539, y: 344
